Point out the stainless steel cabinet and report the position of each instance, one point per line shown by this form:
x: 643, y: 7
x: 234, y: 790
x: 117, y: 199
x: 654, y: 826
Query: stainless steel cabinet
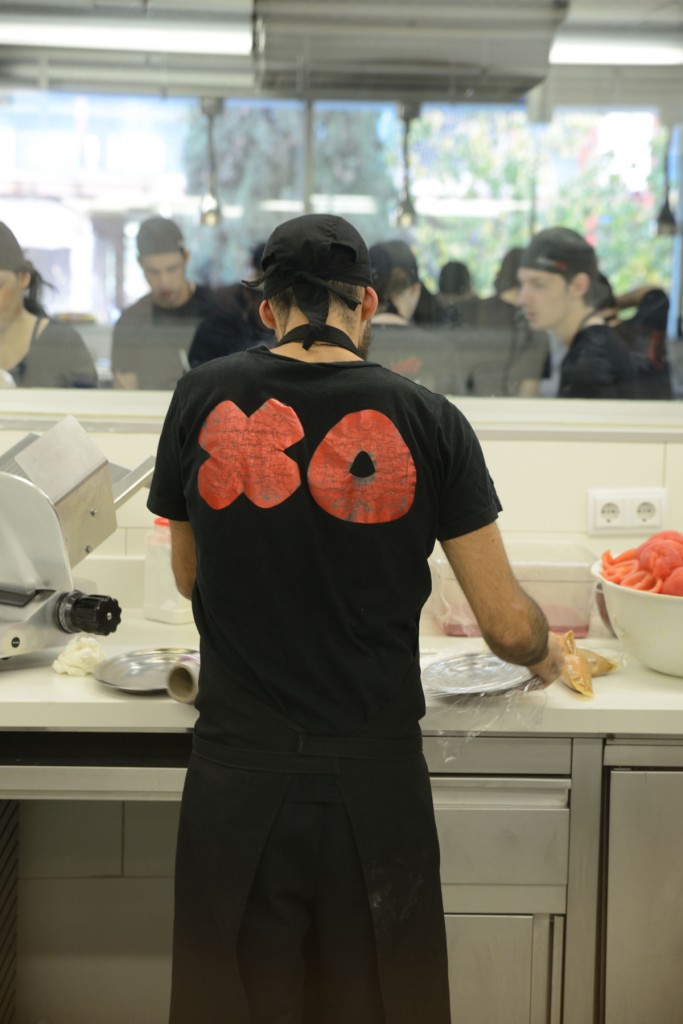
x: 504, y: 843
x: 644, y: 890
x: 505, y: 968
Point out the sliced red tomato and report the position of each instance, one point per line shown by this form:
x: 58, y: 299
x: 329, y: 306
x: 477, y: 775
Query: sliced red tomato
x: 673, y: 584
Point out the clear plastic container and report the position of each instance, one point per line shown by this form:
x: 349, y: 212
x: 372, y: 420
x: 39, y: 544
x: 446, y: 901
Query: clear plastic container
x: 163, y: 602
x: 557, y: 576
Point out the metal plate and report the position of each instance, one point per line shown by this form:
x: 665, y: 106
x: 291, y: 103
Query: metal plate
x: 141, y: 671
x: 478, y: 672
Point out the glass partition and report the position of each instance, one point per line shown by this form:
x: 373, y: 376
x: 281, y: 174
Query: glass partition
x: 82, y: 172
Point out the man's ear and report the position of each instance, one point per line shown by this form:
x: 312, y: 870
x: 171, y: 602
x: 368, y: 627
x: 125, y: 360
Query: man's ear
x: 580, y: 284
x: 369, y: 304
x: 266, y: 315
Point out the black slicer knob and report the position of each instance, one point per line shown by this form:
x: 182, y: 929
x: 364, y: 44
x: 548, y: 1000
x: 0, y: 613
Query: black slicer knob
x: 88, y: 613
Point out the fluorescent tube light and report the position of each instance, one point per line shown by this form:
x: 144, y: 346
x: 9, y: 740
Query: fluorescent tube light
x: 142, y: 37
x: 576, y: 48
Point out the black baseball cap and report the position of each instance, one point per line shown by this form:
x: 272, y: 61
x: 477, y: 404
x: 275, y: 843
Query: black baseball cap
x: 306, y: 254
x: 314, y: 247
x: 560, y: 251
x: 11, y: 254
x: 159, y: 235
x: 387, y: 256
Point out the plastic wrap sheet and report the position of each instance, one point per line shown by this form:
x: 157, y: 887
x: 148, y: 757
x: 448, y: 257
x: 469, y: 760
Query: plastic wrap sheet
x: 483, y: 691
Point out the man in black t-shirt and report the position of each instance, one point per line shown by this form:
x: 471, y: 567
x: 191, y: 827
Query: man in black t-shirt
x: 306, y: 486
x: 151, y: 338
x: 498, y: 350
x: 558, y: 274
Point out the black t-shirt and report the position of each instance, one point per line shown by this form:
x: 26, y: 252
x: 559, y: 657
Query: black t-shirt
x: 597, y: 365
x: 58, y: 358
x: 315, y: 492
x: 223, y: 332
x: 152, y: 342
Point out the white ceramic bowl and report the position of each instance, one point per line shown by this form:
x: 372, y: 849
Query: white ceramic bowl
x: 650, y: 626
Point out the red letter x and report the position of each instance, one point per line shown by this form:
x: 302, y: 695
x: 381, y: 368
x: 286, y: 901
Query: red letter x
x: 247, y: 455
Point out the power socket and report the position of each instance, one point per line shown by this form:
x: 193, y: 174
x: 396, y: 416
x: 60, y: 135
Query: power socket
x: 629, y: 510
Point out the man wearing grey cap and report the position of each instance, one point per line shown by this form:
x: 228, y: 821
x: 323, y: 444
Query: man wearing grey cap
x: 558, y: 275
x: 152, y: 337
x: 306, y: 486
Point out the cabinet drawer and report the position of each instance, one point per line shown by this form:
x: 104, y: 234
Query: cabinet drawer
x: 498, y: 755
x: 504, y: 843
x: 505, y: 968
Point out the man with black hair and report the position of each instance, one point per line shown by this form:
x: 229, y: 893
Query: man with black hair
x: 236, y: 323
x: 151, y: 338
x: 505, y: 356
x: 558, y: 276
x: 306, y: 487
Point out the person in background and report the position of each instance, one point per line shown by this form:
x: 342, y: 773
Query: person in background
x: 422, y: 352
x: 35, y: 351
x: 455, y: 288
x: 236, y: 324
x: 151, y: 338
x: 644, y: 334
x: 306, y: 487
x: 558, y: 276
x: 520, y: 354
x: 396, y: 281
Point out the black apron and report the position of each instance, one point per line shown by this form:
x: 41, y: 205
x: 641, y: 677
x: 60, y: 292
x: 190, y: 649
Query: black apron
x: 232, y: 795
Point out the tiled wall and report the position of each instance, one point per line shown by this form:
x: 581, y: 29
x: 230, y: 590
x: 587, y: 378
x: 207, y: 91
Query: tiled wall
x: 95, y: 912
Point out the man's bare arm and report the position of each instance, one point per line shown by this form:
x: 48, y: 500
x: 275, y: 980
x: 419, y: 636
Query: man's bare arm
x: 183, y: 556
x: 511, y: 622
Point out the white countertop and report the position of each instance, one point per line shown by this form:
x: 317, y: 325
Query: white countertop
x: 631, y: 701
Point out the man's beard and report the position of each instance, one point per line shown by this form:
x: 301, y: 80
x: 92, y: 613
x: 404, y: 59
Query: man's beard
x: 365, y: 341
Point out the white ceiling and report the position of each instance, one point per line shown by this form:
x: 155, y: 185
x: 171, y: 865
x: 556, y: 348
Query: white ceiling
x: 475, y: 50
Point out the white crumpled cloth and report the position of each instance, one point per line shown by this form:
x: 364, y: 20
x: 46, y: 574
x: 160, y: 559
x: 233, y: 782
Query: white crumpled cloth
x: 80, y: 657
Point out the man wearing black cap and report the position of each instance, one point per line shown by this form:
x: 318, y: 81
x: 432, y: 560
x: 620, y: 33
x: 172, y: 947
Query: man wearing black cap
x: 498, y: 349
x: 306, y: 487
x: 152, y: 337
x: 558, y: 274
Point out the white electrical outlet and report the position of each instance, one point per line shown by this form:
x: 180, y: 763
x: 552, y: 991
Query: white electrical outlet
x: 629, y: 510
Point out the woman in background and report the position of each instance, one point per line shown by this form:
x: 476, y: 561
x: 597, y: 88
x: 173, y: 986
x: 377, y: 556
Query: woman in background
x: 35, y: 351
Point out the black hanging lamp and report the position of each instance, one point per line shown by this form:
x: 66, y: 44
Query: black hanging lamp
x: 210, y: 207
x: 406, y: 214
x: 666, y: 222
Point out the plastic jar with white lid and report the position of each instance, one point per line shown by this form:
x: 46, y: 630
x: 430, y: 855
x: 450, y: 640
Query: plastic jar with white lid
x: 163, y: 601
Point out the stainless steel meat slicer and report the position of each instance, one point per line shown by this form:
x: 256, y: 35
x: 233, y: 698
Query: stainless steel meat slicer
x: 58, y: 502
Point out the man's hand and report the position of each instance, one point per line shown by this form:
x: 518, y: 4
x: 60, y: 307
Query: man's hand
x: 552, y: 665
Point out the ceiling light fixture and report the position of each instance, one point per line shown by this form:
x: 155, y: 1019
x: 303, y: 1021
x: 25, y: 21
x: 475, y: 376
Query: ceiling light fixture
x: 574, y: 46
x: 666, y: 222
x: 136, y: 36
x: 406, y: 214
x: 210, y: 208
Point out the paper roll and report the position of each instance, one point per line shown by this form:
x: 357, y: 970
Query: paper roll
x: 182, y: 682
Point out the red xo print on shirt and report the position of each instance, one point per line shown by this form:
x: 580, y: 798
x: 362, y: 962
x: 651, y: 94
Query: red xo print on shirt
x: 248, y: 455
x: 362, y: 470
